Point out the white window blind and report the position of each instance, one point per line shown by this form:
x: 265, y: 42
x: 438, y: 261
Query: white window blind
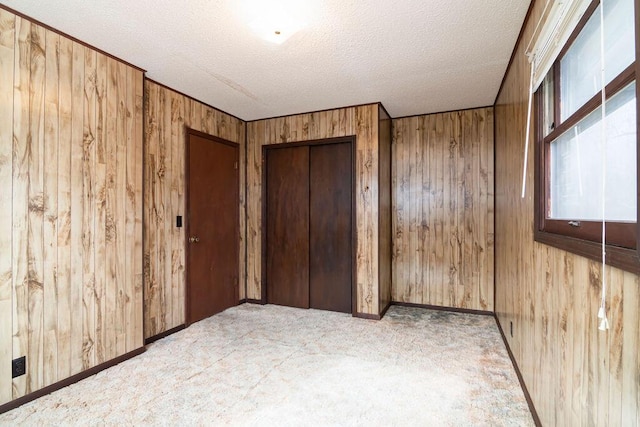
x: 559, y: 19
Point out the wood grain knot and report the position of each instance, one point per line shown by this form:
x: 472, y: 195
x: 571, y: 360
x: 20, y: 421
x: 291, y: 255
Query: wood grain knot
x: 131, y: 194
x: 34, y: 284
x: 110, y: 229
x: 37, y: 204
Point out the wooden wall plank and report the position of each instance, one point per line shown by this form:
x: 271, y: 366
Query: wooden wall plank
x: 469, y: 164
x: 122, y: 292
x: 629, y: 399
x: 166, y: 116
x: 35, y: 242
x: 177, y: 189
x: 77, y: 207
x: 441, y: 226
x: 105, y: 122
x: 195, y: 121
x: 114, y: 186
x: 566, y: 340
x: 413, y: 206
x: 411, y: 230
x: 256, y: 131
x: 20, y: 196
x: 64, y: 285
x: 441, y: 275
x: 151, y: 303
x: 89, y: 213
x: 425, y: 128
x: 159, y: 189
x: 7, y: 52
x: 50, y: 205
x: 430, y: 204
x: 138, y: 255
x: 129, y: 204
x: 453, y: 198
x: 576, y: 374
x: 487, y: 169
x: 615, y: 352
x: 163, y: 172
x: 242, y: 278
x: 578, y: 399
x: 397, y: 181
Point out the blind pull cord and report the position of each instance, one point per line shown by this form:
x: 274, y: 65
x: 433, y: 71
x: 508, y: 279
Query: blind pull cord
x: 527, y: 137
x: 602, y: 312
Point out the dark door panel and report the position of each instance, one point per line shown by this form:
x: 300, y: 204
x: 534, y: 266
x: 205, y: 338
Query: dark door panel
x: 287, y: 223
x: 213, y: 226
x: 330, y: 238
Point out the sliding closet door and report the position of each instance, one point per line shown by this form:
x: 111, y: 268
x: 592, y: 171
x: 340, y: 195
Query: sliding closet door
x: 287, y: 222
x: 330, y: 234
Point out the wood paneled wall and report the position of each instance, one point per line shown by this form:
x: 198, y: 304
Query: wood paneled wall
x: 167, y: 115
x: 443, y: 209
x: 384, y: 240
x: 70, y: 206
x: 576, y: 374
x: 361, y: 121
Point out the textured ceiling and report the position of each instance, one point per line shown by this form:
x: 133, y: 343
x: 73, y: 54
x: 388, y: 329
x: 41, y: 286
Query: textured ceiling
x: 414, y: 56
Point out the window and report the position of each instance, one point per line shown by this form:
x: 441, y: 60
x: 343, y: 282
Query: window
x: 570, y: 155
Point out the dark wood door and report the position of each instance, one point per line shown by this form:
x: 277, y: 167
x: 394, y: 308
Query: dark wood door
x: 330, y: 227
x: 212, y: 226
x: 287, y: 223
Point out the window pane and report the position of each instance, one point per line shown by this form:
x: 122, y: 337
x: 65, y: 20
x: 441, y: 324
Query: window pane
x: 547, y: 104
x: 580, y: 66
x: 576, y: 165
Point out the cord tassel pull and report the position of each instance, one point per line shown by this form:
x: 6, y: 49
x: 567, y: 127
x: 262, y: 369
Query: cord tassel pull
x: 604, y: 324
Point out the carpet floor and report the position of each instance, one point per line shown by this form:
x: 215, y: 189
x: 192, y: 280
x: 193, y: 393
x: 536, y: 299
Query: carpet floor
x: 271, y: 365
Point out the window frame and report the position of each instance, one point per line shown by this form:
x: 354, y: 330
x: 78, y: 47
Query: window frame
x: 623, y: 239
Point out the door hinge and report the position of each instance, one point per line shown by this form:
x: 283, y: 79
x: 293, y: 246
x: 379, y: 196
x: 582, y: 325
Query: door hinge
x: 235, y: 165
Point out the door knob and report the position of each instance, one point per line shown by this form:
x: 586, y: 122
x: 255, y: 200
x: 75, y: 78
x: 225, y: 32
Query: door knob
x: 194, y: 239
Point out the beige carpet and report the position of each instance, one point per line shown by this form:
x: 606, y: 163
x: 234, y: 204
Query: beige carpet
x: 270, y: 365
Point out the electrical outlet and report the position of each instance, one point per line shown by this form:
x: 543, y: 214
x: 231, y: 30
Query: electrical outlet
x: 18, y: 367
x: 511, y: 328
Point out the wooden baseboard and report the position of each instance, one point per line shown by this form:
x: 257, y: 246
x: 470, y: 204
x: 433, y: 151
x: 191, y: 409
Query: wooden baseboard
x: 68, y: 381
x: 527, y: 396
x: 255, y: 301
x: 441, y: 308
x: 384, y: 311
x: 367, y: 316
x: 164, y: 334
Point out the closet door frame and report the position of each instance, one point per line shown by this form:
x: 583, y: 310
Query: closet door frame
x: 351, y: 140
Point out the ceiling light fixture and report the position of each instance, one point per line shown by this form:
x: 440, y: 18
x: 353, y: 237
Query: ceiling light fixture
x: 276, y: 20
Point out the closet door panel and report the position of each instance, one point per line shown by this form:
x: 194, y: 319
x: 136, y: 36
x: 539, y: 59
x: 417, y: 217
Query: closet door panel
x: 330, y: 227
x: 287, y: 222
